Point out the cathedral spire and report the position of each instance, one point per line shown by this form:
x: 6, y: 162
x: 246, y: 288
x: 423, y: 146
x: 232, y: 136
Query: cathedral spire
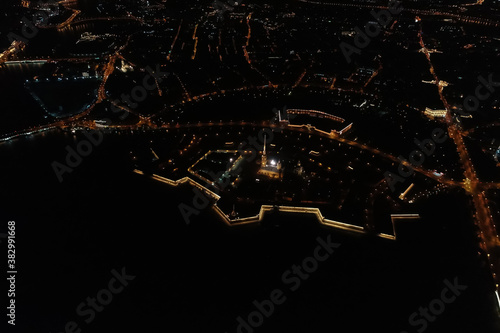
x: 265, y: 145
x: 264, y: 156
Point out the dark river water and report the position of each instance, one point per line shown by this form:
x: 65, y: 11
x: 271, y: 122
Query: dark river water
x: 203, y: 276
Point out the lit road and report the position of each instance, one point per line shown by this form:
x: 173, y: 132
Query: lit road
x: 110, y: 67
x: 245, y: 51
x: 72, y: 122
x: 490, y: 241
x: 174, y: 41
x: 434, y: 12
x: 69, y: 20
x: 375, y: 73
x: 195, y: 48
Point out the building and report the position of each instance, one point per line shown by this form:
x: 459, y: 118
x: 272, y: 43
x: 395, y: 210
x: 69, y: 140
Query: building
x: 299, y: 170
x: 270, y: 169
x: 435, y: 113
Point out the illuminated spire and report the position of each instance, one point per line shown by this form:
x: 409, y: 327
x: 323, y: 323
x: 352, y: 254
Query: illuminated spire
x: 265, y: 145
x: 264, y: 157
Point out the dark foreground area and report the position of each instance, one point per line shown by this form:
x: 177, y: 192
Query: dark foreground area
x: 201, y: 277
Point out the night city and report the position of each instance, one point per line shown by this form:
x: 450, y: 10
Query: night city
x: 259, y: 166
